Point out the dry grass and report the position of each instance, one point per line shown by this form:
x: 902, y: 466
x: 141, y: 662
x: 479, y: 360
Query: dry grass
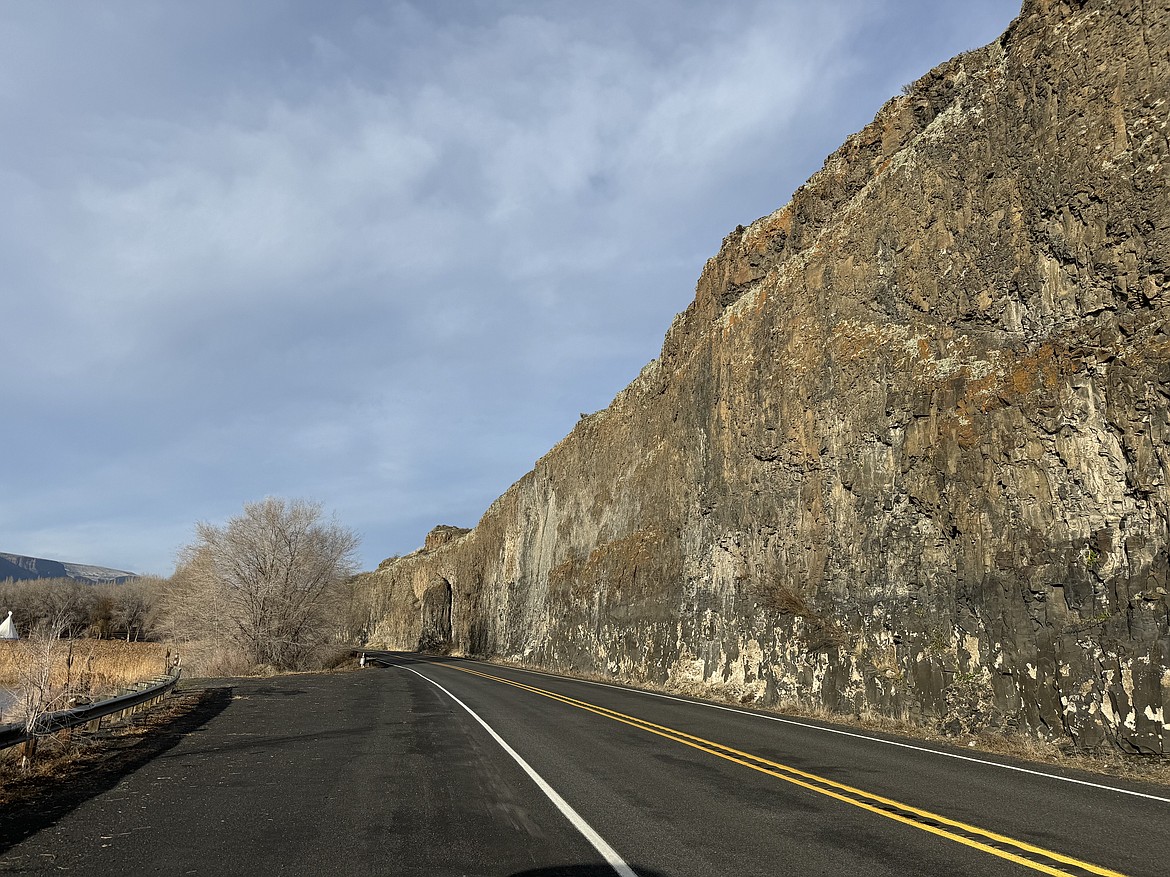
x: 91, y: 667
x: 218, y: 659
x: 67, y: 763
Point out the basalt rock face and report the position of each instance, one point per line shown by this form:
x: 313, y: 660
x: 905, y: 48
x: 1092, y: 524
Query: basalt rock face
x: 907, y: 450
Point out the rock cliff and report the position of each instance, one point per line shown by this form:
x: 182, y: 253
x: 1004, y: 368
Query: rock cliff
x: 907, y: 449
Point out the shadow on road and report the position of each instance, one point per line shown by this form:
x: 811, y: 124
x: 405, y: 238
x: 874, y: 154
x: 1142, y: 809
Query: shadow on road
x: 54, y: 797
x: 582, y: 871
x: 277, y: 692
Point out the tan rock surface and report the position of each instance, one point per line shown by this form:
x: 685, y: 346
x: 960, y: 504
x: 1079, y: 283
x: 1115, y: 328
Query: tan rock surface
x: 907, y: 450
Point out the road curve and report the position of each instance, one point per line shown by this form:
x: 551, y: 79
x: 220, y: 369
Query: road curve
x: 448, y: 767
x: 688, y: 788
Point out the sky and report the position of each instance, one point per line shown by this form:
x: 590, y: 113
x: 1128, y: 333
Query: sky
x: 379, y: 255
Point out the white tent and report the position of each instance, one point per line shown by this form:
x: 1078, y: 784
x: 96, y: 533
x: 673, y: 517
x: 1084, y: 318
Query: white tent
x: 8, y: 628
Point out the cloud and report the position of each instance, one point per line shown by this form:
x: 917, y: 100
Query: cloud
x: 381, y: 255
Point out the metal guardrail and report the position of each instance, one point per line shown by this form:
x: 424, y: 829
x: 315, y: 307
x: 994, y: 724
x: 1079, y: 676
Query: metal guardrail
x: 60, y: 720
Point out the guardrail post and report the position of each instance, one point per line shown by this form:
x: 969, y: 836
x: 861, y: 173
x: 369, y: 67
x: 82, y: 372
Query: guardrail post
x: 139, y: 698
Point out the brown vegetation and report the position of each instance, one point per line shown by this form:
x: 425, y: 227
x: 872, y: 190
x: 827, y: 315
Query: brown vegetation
x: 47, y: 674
x: 108, y: 664
x: 268, y: 590
x: 271, y: 590
x: 64, y: 769
x: 107, y: 611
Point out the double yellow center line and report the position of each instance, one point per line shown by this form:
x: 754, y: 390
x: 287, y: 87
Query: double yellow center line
x: 1028, y: 855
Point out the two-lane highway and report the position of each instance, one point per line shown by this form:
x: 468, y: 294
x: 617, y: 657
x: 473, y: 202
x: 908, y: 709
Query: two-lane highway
x: 449, y: 766
x: 692, y: 788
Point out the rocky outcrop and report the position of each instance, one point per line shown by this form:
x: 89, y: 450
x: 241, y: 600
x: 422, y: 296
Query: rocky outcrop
x: 907, y: 450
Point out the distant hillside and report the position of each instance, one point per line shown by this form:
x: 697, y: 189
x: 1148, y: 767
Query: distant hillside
x: 17, y: 566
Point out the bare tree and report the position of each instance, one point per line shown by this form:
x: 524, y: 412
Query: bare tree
x: 266, y: 578
x: 134, y: 611
x: 42, y: 688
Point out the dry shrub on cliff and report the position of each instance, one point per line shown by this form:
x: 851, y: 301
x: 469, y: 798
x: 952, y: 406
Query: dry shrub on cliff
x: 820, y: 631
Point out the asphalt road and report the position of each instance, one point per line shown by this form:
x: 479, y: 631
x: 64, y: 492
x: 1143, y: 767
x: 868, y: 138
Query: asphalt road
x: 448, y: 767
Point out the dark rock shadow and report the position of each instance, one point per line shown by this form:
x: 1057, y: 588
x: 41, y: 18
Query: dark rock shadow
x: 56, y: 796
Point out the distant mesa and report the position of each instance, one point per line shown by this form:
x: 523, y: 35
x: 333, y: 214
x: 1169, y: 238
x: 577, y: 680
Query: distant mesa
x: 20, y: 568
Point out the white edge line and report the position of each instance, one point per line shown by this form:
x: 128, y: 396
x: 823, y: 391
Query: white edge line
x: 756, y: 715
x: 607, y: 852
